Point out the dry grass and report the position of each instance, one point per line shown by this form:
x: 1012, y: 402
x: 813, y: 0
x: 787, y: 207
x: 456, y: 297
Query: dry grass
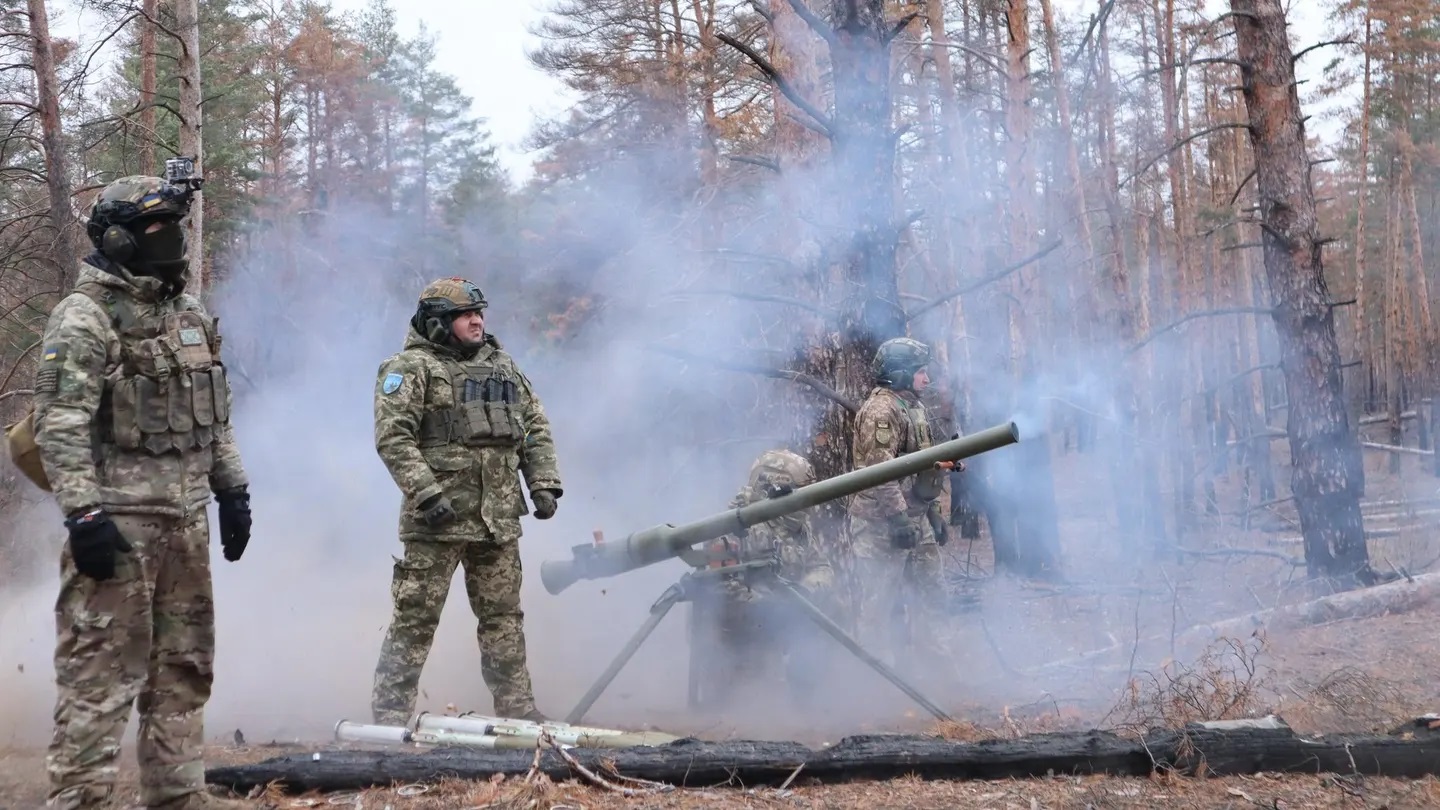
x: 1226, y: 682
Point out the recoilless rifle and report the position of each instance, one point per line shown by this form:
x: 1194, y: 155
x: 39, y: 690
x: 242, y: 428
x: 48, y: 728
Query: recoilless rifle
x: 658, y: 544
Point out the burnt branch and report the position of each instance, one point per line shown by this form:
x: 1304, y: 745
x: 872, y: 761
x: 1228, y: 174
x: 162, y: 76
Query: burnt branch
x: 990, y: 279
x: 763, y: 162
x: 1208, y: 313
x: 1241, y: 187
x: 768, y: 371
x: 813, y: 20
x: 1187, y: 139
x: 785, y: 88
x: 898, y: 27
x: 1326, y: 43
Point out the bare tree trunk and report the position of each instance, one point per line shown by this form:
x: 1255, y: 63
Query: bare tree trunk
x: 1327, y: 475
x: 1362, y: 321
x: 187, y: 24
x: 47, y: 95
x: 147, y: 84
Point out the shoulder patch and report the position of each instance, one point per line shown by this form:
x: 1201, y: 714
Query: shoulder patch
x: 47, y: 379
x: 392, y: 382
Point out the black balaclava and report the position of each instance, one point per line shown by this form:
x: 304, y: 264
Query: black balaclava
x: 160, y: 253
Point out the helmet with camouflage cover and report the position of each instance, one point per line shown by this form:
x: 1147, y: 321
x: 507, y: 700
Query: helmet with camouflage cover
x: 440, y: 301
x: 776, y: 472
x: 897, y: 360
x: 120, y: 225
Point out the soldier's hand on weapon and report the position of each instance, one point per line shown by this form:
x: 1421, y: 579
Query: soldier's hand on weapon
x: 234, y: 521
x: 436, y: 511
x: 953, y: 466
x: 545, y: 503
x: 94, y: 542
x: 903, y: 531
x: 937, y: 523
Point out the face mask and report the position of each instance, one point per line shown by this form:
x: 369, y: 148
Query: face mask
x: 161, y: 253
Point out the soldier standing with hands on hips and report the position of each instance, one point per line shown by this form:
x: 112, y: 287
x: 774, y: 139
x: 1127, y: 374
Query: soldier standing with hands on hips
x: 131, y: 421
x: 457, y: 424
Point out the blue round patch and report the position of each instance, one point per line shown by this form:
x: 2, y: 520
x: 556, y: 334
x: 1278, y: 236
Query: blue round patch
x: 392, y: 383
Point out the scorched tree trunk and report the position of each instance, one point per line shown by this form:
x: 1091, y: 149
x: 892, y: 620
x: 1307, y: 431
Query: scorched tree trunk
x: 1327, y: 476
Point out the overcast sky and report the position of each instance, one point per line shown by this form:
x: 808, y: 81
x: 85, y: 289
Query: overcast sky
x: 483, y: 44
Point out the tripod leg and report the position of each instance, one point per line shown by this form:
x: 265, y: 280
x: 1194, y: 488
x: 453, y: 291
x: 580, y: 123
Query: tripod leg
x: 818, y: 616
x: 657, y: 613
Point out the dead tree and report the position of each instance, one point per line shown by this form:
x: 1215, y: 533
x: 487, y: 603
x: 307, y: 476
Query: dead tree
x: 1327, y: 476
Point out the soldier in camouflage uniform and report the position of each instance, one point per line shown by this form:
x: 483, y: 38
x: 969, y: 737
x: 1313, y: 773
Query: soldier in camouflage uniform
x: 457, y: 424
x: 893, y: 526
x: 753, y: 627
x: 132, y: 411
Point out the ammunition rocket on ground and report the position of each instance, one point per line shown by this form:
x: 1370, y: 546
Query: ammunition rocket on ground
x: 483, y: 731
x: 664, y: 542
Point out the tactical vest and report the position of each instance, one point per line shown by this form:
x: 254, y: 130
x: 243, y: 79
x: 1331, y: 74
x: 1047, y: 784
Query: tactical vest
x: 170, y: 391
x: 486, y: 412
x: 929, y: 484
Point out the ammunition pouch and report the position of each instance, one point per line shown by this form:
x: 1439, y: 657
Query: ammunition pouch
x: 25, y: 452
x: 172, y: 392
x: 929, y: 485
x: 487, y: 414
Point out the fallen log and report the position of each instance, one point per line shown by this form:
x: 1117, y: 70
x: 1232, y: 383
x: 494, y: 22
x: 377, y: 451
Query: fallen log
x: 1400, y: 596
x: 1226, y: 749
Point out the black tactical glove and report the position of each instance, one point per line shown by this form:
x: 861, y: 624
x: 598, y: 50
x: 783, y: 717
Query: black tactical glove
x: 234, y: 521
x: 436, y: 511
x: 94, y: 540
x: 904, y: 534
x: 545, y: 503
x: 937, y: 523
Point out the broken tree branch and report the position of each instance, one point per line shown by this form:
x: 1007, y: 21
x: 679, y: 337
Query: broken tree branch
x: 784, y: 86
x: 768, y: 371
x: 990, y: 279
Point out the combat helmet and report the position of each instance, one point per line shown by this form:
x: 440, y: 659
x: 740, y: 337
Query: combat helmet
x: 122, y: 212
x: 440, y: 301
x: 777, y: 472
x: 897, y: 360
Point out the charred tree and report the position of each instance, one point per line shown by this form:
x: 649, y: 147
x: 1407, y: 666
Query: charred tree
x: 1327, y: 476
x: 47, y: 95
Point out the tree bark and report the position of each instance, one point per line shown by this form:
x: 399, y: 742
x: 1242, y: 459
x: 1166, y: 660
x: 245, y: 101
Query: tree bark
x: 1327, y: 476
x: 187, y: 24
x: 57, y: 181
x: 147, y: 85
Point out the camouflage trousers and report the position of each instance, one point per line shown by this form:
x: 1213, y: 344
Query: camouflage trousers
x: 418, y: 590
x: 900, y: 601
x: 146, y: 637
x: 743, y: 633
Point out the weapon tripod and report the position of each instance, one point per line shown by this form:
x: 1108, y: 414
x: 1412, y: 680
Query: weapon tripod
x: 689, y: 587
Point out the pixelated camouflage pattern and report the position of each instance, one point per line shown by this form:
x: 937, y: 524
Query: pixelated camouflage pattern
x: 755, y: 632
x: 145, y: 638
x: 134, y: 188
x: 890, y: 424
x: 81, y: 349
x: 418, y: 589
x: 482, y: 483
x: 886, y: 578
x: 462, y: 294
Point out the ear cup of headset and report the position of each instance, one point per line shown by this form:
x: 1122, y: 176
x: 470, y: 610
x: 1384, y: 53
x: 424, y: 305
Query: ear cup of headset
x: 118, y: 244
x: 436, y: 329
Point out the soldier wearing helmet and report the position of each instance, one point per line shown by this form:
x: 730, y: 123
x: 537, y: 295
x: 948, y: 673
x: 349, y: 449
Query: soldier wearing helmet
x: 132, y: 424
x: 897, y: 555
x: 457, y: 425
x: 742, y: 629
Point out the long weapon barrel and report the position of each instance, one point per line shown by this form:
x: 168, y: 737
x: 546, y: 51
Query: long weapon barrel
x: 667, y: 541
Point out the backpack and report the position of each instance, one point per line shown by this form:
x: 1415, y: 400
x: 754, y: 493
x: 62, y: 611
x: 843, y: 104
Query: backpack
x: 20, y: 436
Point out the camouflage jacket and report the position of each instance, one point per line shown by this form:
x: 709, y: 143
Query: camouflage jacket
x: 890, y: 424
x: 789, y: 539
x: 132, y: 402
x: 467, y: 427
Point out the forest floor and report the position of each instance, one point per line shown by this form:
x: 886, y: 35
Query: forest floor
x: 1342, y: 676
